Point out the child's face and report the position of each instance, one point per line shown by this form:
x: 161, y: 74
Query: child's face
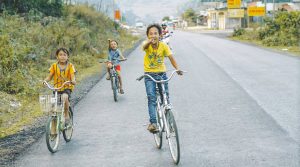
x: 62, y: 57
x: 113, y: 45
x: 153, y: 34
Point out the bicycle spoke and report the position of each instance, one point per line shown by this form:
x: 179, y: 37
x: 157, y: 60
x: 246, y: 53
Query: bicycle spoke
x: 173, y: 138
x: 52, y: 139
x: 158, y: 135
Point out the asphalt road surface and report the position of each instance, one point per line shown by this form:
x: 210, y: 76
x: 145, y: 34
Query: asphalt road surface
x: 238, y: 106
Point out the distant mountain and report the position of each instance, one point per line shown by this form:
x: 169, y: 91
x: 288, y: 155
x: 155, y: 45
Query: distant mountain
x: 151, y: 11
x: 144, y: 10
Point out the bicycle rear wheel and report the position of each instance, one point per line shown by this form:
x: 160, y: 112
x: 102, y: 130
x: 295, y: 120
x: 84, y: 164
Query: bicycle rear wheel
x: 158, y: 135
x: 52, y: 140
x: 115, y: 88
x: 68, y: 130
x: 172, y: 137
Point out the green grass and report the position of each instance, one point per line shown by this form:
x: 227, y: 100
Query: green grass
x: 293, y: 50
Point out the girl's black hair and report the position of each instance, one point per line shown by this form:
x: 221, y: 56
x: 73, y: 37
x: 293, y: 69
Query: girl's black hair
x: 110, y: 42
x: 62, y: 49
x: 156, y: 26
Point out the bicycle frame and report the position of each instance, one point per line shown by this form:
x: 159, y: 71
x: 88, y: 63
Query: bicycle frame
x: 114, y: 74
x: 114, y: 78
x: 165, y: 119
x: 163, y: 110
x: 57, y: 115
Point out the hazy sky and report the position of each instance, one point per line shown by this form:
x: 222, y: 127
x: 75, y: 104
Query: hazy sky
x: 147, y: 10
x: 155, y: 9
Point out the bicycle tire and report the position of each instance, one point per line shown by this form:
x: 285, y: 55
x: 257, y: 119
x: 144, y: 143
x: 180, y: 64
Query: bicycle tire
x: 173, y: 139
x: 159, y: 134
x: 52, y: 147
x: 115, y: 91
x: 68, y: 131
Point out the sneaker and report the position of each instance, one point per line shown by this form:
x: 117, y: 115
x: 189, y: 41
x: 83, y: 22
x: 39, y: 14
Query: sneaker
x: 107, y: 77
x: 152, y: 128
x: 121, y: 91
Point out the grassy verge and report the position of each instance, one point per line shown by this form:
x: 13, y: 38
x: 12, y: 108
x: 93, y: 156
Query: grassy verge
x: 292, y: 50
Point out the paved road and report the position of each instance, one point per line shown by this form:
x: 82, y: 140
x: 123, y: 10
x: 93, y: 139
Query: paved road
x: 237, y: 107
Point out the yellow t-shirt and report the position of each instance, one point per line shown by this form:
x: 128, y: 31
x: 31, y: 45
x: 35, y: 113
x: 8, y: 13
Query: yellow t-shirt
x: 62, y: 75
x: 154, y: 58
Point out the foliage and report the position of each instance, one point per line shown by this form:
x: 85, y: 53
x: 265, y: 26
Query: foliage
x: 27, y: 45
x: 27, y: 49
x: 238, y: 32
x: 47, y: 7
x: 284, y: 30
x: 166, y: 18
x: 190, y: 16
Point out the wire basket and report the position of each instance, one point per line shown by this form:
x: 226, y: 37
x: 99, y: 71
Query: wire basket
x: 47, y: 102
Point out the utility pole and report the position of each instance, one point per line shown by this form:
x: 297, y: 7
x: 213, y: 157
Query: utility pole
x: 113, y: 7
x: 273, y: 9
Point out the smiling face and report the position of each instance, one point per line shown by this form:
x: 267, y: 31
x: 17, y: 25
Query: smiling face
x: 113, y: 45
x: 62, y: 57
x: 153, y: 34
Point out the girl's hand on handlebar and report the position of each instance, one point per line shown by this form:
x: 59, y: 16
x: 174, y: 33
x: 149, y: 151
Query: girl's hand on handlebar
x: 179, y: 72
x: 44, y: 83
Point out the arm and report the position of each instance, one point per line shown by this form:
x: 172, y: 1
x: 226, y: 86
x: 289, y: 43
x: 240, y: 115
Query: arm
x: 108, y: 43
x: 147, y: 44
x: 49, y: 77
x: 73, y: 80
x: 121, y: 55
x: 174, y: 64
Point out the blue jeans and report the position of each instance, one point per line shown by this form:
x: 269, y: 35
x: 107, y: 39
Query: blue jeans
x: 151, y: 93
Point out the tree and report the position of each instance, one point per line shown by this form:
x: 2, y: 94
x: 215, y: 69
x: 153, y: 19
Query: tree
x: 166, y: 18
x: 47, y: 7
x: 190, y: 16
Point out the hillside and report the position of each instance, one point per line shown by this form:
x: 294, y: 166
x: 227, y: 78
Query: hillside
x: 27, y: 46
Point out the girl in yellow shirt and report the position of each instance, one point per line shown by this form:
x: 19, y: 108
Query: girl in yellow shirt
x: 60, y: 72
x: 154, y: 65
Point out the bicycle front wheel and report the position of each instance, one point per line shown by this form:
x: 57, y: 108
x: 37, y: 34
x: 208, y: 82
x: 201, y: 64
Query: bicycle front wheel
x: 52, y: 139
x: 158, y: 135
x: 173, y: 138
x: 68, y: 130
x: 114, y: 88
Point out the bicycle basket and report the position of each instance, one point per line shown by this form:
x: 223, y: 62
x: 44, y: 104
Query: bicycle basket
x: 47, y: 102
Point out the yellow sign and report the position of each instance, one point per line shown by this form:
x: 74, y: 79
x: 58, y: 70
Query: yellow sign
x: 256, y: 11
x: 232, y: 4
x: 236, y: 13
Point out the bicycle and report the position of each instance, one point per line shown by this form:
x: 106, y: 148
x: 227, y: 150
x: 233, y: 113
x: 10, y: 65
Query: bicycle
x: 114, y: 79
x: 165, y: 120
x: 53, y: 105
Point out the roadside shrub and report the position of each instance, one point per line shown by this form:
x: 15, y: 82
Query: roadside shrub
x: 238, y: 32
x: 283, y: 30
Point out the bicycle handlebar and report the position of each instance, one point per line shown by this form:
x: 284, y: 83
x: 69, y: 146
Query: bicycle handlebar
x: 160, y: 81
x: 55, y: 89
x: 105, y: 61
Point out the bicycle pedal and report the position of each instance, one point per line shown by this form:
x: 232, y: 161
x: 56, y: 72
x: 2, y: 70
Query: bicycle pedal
x: 168, y: 106
x: 154, y: 132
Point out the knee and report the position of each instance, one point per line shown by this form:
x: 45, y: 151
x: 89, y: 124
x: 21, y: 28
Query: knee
x: 109, y: 65
x: 151, y: 99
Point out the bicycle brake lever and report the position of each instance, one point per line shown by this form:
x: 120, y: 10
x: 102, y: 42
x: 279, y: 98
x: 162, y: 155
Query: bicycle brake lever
x: 140, y: 78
